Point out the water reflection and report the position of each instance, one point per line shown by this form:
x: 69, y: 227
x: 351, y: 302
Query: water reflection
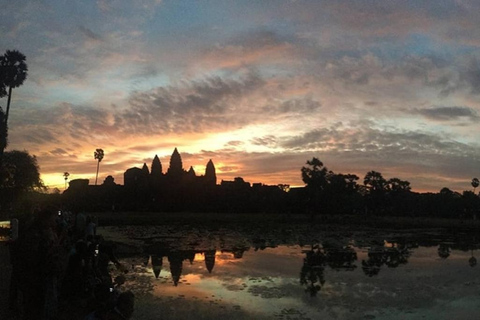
x: 312, y: 273
x: 392, y: 257
x: 339, y: 254
x: 242, y: 272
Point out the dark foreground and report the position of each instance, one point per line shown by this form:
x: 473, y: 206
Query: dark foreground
x: 189, y: 266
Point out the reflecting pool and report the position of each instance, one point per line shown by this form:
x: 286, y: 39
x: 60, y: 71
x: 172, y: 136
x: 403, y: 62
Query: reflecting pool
x: 365, y: 275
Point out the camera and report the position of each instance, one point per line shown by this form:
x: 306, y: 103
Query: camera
x: 9, y: 230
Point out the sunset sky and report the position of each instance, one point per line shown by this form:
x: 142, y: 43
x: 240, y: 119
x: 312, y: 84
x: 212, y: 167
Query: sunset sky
x: 259, y: 87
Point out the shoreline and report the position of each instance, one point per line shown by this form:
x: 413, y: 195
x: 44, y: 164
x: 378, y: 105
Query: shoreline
x: 228, y: 219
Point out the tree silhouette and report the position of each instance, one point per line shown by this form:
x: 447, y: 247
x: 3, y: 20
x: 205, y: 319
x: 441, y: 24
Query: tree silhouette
x: 377, y: 188
x: 375, y: 182
x: 396, y: 185
x: 3, y: 134
x: 475, y: 184
x: 98, y: 155
x: 312, y: 272
x: 315, y: 176
x: 23, y: 171
x: 13, y: 72
x: 65, y: 176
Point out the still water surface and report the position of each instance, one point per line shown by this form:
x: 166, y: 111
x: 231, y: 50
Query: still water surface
x: 411, y: 276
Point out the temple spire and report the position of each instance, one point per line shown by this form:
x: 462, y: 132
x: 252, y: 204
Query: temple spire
x: 176, y: 165
x: 156, y: 167
x: 210, y: 175
x: 145, y: 169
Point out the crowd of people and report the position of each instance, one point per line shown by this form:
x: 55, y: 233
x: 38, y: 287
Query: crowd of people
x: 61, y: 266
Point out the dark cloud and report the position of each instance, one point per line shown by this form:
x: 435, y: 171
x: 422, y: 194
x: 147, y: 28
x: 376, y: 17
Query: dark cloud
x: 38, y: 126
x: 449, y: 113
x: 258, y: 38
x: 471, y: 76
x: 32, y: 135
x: 228, y: 168
x: 207, y: 105
x: 310, y: 140
x: 257, y: 47
x: 89, y: 33
x: 195, y: 106
x: 447, y: 83
x: 59, y: 152
x: 379, y: 143
x: 268, y: 141
x: 235, y: 143
x: 299, y: 105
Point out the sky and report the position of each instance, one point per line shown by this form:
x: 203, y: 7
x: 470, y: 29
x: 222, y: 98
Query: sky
x: 259, y: 87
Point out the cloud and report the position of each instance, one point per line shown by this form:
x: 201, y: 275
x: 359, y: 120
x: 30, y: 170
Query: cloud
x: 208, y: 104
x: 269, y: 141
x: 449, y: 113
x: 380, y: 144
x: 300, y: 106
x: 89, y: 33
x: 65, y: 124
x: 195, y: 106
x: 471, y: 76
x: 257, y: 47
x: 58, y: 152
x: 235, y: 143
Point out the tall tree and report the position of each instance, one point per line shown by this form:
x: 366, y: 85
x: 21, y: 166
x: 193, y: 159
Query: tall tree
x: 396, y: 185
x: 3, y: 134
x: 377, y: 188
x: 375, y: 182
x: 315, y: 174
x: 13, y: 72
x: 98, y: 155
x: 475, y: 183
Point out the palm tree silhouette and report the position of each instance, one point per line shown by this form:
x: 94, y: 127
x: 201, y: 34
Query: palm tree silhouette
x: 475, y: 184
x: 13, y: 72
x: 65, y: 175
x: 3, y: 133
x: 98, y: 155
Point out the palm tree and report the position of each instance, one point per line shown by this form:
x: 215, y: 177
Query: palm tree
x: 475, y: 184
x: 3, y: 134
x: 13, y: 72
x: 65, y: 175
x: 98, y: 155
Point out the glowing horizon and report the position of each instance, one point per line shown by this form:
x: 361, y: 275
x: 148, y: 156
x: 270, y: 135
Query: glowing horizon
x: 259, y: 88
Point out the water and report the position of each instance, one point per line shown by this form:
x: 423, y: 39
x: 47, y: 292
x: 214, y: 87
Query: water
x: 339, y: 275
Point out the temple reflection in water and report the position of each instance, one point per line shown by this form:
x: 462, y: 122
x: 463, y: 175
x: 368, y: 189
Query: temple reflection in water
x: 347, y: 255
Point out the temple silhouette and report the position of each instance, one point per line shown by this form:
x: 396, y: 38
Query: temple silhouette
x: 176, y: 189
x: 157, y: 182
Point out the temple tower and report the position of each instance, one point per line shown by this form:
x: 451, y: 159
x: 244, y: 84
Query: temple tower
x: 210, y: 175
x: 175, y: 171
x: 156, y: 167
x: 145, y: 169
